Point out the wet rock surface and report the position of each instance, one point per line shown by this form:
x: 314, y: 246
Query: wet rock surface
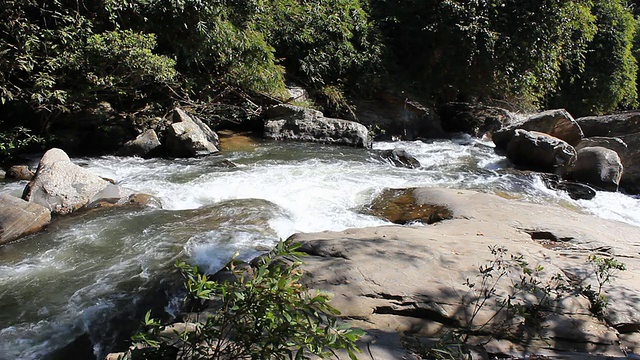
x: 401, y: 206
x: 19, y: 218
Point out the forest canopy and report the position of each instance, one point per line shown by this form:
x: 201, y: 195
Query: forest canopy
x: 58, y: 57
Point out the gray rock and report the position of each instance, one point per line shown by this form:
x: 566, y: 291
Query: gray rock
x: 114, y: 195
x: 613, y: 143
x: 597, y: 166
x: 288, y: 122
x: 190, y: 137
x: 19, y: 218
x: 410, y: 280
x: 400, y: 158
x: 541, y: 152
x: 557, y: 123
x: 611, y: 125
x: 19, y: 172
x: 142, y: 145
x: 60, y: 185
x: 628, y: 149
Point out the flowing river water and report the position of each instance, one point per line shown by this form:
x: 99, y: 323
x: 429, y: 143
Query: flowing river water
x: 90, y: 272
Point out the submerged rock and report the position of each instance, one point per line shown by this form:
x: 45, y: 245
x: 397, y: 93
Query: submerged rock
x: 62, y: 186
x: 576, y: 190
x: 114, y: 195
x: 19, y: 218
x: 403, y: 206
x: 400, y: 158
x: 288, y: 122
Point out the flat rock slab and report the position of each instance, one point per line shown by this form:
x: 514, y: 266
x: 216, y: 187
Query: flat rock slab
x: 410, y: 280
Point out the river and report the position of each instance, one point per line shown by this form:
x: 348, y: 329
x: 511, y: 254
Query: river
x: 92, y: 271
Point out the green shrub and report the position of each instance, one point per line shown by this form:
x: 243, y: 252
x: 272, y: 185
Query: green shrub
x: 268, y: 315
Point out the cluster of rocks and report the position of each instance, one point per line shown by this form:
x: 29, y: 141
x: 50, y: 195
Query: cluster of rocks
x: 288, y: 122
x: 186, y: 136
x: 61, y: 187
x: 600, y: 151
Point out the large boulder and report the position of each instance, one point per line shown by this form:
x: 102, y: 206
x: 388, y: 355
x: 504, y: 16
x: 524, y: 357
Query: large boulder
x: 597, y: 166
x: 611, y: 125
x: 473, y: 119
x: 411, y: 281
x: 288, y: 122
x: 557, y: 123
x: 19, y: 218
x: 541, y: 152
x: 62, y: 186
x: 190, y: 137
x: 628, y: 148
x: 142, y: 145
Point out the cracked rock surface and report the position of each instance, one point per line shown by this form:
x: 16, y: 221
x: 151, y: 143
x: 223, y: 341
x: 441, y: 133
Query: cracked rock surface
x: 398, y: 281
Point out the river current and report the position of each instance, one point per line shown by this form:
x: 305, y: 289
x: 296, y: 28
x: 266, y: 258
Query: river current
x: 90, y: 271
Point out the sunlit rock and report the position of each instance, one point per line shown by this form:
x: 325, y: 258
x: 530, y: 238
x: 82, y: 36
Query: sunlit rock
x: 288, y: 122
x: 62, y: 186
x: 142, y: 145
x: 410, y: 280
x: 19, y: 218
x: 190, y: 137
x: 557, y: 123
x: 541, y: 152
x: 628, y: 149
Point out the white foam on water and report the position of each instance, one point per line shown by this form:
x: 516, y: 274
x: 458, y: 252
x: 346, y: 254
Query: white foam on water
x: 614, y: 206
x: 72, y: 274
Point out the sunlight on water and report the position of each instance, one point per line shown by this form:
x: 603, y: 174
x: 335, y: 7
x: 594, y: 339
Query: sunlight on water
x: 73, y: 278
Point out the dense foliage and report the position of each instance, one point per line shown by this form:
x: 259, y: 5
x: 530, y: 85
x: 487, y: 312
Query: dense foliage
x: 266, y: 314
x: 60, y: 56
